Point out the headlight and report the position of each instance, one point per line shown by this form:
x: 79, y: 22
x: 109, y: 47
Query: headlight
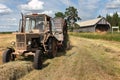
x: 13, y: 43
x: 29, y: 42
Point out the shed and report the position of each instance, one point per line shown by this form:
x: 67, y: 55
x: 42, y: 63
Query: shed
x: 95, y: 25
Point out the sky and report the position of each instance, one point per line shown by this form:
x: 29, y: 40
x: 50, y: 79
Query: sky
x: 10, y: 10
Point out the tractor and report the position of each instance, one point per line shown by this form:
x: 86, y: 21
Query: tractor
x: 39, y: 35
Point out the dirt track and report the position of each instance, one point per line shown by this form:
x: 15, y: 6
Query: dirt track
x: 87, y: 60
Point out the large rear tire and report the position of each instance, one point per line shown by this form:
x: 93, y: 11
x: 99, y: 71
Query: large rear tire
x: 38, y: 60
x: 52, y: 48
x: 68, y: 45
x: 8, y: 56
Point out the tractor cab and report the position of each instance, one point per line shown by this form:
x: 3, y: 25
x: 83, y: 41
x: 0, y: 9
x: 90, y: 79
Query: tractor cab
x: 35, y: 23
x: 32, y: 29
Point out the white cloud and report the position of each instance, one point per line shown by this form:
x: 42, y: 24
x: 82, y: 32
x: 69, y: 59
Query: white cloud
x: 8, y: 19
x: 67, y: 2
x: 111, y: 7
x: 4, y: 9
x: 111, y: 14
x: 48, y: 12
x: 114, y: 4
x: 33, y: 5
x: 88, y: 8
x: 37, y: 6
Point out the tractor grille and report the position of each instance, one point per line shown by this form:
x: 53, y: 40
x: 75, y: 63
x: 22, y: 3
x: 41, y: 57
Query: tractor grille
x: 20, y: 42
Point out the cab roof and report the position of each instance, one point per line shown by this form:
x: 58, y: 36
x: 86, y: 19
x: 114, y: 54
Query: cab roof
x: 36, y: 15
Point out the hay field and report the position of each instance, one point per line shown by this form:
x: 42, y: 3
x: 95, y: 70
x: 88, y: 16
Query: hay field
x: 5, y: 41
x: 88, y: 59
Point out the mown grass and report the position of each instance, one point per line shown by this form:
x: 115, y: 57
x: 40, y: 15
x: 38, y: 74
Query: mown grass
x: 101, y: 61
x: 5, y: 41
x: 101, y: 56
x: 15, y: 70
x: 107, y: 36
x: 85, y: 61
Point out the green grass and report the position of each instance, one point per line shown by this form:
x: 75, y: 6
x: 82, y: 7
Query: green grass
x: 6, y: 32
x: 107, y: 36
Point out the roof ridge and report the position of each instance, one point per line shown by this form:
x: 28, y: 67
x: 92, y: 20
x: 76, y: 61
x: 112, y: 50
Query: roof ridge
x: 89, y: 22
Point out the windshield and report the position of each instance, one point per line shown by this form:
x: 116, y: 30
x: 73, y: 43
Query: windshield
x: 57, y: 25
x: 33, y: 23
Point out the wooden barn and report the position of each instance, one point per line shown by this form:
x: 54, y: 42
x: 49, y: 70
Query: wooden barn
x: 95, y: 25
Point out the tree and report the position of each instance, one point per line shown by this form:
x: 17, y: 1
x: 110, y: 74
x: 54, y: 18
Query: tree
x: 115, y: 19
x: 71, y: 14
x: 99, y: 16
x: 109, y: 19
x: 59, y: 14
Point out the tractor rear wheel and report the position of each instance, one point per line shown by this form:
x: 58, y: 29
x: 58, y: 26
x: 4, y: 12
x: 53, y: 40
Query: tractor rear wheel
x: 52, y: 48
x: 8, y: 56
x: 68, y: 45
x: 38, y: 60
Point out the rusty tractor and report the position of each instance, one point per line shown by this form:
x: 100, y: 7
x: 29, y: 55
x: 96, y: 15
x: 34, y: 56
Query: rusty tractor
x: 39, y: 35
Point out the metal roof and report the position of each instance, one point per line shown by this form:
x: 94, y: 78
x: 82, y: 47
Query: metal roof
x: 89, y: 22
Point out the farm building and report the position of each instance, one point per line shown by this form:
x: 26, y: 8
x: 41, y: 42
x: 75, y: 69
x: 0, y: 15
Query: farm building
x: 95, y: 25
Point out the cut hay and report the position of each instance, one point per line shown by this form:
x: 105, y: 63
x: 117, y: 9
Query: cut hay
x: 15, y: 70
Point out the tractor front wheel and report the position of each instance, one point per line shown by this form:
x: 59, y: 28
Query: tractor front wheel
x: 38, y: 60
x: 8, y: 56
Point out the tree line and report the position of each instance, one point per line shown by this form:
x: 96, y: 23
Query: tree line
x: 71, y: 16
x: 114, y: 20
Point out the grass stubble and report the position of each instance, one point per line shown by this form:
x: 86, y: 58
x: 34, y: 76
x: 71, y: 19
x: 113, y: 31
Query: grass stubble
x: 87, y: 60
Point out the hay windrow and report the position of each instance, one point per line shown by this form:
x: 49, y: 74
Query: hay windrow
x: 15, y: 70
